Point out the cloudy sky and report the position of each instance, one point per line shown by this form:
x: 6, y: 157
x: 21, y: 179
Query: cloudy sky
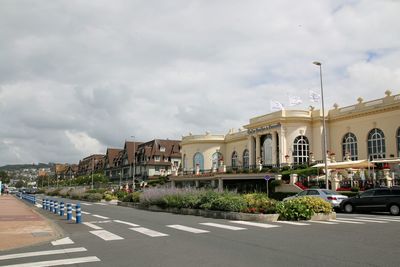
x: 79, y: 76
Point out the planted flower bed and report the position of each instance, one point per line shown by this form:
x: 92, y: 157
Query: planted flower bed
x: 228, y: 205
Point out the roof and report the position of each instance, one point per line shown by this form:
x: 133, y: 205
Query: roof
x: 130, y: 149
x: 111, y: 154
x: 166, y: 149
x: 356, y: 164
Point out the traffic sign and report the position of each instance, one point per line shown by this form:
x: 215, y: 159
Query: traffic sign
x: 267, y: 177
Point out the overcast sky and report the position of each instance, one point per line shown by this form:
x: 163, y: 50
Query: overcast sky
x: 79, y: 76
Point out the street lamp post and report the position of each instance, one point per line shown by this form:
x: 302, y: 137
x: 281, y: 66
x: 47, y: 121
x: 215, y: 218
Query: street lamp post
x: 134, y: 163
x: 323, y: 125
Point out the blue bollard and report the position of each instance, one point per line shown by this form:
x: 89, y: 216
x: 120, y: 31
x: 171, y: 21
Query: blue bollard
x: 34, y: 200
x: 78, y: 213
x: 51, y: 205
x: 43, y: 203
x: 55, y: 207
x: 69, y: 211
x: 61, y: 208
x: 47, y: 204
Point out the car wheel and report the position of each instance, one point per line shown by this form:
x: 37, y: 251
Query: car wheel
x: 394, y: 209
x: 348, y: 208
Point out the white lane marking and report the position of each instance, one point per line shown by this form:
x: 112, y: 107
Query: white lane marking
x: 102, y: 204
x: 62, y: 241
x: 323, y: 222
x: 379, y: 219
x: 42, y: 253
x: 85, y: 212
x: 106, y: 235
x: 92, y: 226
x: 148, y: 232
x: 362, y: 220
x: 99, y: 216
x: 86, y: 204
x: 107, y: 221
x: 187, y: 229
x: 262, y: 225
x: 127, y: 223
x: 292, y: 223
x: 344, y: 221
x: 56, y: 262
x: 234, y: 228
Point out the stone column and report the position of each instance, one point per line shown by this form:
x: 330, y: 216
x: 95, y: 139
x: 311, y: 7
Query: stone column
x: 250, y: 144
x: 173, y: 183
x: 258, y: 150
x: 197, y: 183
x: 283, y: 146
x: 212, y: 183
x: 293, y: 178
x: 220, y: 185
x: 274, y: 143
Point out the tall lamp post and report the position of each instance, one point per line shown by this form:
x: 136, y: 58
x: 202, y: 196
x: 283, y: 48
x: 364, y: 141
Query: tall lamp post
x: 324, y: 124
x: 134, y: 163
x: 92, y: 171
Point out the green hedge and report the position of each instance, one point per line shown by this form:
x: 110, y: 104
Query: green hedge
x: 302, y: 208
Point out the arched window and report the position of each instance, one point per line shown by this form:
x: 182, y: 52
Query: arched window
x: 349, y: 146
x: 198, y: 160
x: 246, y: 159
x: 216, y: 159
x: 398, y: 142
x: 234, y: 159
x: 300, y: 150
x: 267, y: 149
x: 376, y: 144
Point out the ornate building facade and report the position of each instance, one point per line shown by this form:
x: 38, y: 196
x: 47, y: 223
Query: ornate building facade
x: 365, y: 130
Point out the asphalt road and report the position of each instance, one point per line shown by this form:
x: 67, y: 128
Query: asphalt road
x: 119, y: 236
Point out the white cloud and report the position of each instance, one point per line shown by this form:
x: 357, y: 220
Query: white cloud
x: 163, y: 69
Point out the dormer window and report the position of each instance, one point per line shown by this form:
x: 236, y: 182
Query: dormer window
x: 156, y: 158
x: 162, y: 149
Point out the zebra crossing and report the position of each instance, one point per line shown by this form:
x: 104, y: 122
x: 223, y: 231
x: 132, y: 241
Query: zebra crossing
x: 64, y: 256
x: 209, y: 227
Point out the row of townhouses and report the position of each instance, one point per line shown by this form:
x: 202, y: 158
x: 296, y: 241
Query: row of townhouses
x: 143, y: 161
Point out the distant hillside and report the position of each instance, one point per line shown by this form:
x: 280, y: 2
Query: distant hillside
x: 25, y: 166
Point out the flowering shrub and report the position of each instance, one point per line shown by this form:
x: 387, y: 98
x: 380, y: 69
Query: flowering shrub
x: 302, y: 208
x: 259, y: 203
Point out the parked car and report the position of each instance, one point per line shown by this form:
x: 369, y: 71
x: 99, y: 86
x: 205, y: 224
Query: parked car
x: 332, y: 197
x: 12, y: 190
x: 378, y: 199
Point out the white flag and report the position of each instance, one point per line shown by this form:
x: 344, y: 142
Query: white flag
x: 294, y: 101
x: 314, y: 97
x: 276, y: 105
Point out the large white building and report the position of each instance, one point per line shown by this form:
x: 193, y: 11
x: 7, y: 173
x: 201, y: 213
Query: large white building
x: 365, y: 130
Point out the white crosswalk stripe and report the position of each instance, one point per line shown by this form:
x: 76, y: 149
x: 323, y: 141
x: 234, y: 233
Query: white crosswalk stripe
x: 344, y: 221
x: 148, y: 232
x: 68, y: 261
x: 223, y: 226
x: 262, y: 225
x: 127, y: 223
x: 62, y: 241
x: 99, y: 216
x: 106, y: 235
x: 93, y: 226
x: 324, y: 222
x: 361, y: 220
x: 188, y: 229
x: 293, y: 223
x: 42, y: 253
x: 380, y: 219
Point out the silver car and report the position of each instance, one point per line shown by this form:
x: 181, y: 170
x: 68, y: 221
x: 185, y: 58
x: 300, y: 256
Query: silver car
x: 330, y: 196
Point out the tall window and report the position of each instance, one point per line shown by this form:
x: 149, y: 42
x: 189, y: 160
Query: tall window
x: 216, y: 158
x: 246, y: 159
x: 198, y: 160
x: 300, y: 150
x: 398, y: 142
x: 376, y: 144
x: 184, y: 163
x: 349, y: 146
x: 267, y: 149
x: 234, y: 159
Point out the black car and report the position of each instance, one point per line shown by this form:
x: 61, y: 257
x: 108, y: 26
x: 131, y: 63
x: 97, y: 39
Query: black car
x: 378, y: 199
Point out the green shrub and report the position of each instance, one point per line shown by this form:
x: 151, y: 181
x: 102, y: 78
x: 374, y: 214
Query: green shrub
x: 109, y: 197
x: 302, y: 208
x: 259, y: 203
x: 93, y: 197
x: 121, y: 194
x: 226, y: 201
x: 355, y: 189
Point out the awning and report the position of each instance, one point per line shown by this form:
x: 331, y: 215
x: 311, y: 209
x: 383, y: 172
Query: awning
x: 386, y: 161
x: 356, y: 164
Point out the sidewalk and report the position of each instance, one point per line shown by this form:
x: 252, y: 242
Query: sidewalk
x: 20, y: 226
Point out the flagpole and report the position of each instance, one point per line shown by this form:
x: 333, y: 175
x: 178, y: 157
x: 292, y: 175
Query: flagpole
x: 324, y: 125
